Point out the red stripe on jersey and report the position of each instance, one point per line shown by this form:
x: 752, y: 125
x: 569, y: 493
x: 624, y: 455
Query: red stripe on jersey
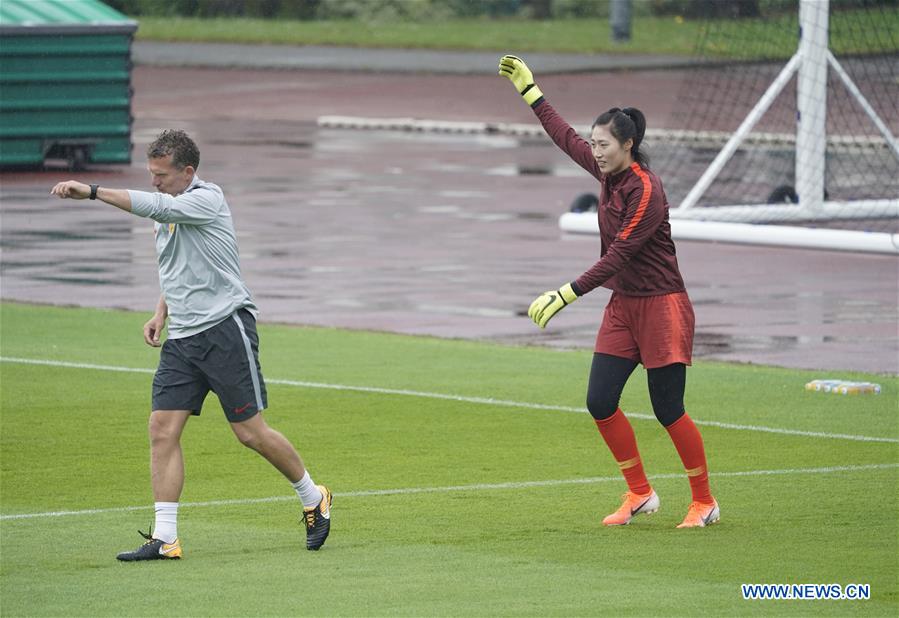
x: 644, y: 201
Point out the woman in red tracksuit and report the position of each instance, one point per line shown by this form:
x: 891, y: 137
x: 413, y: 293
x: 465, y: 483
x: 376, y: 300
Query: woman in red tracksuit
x: 649, y: 318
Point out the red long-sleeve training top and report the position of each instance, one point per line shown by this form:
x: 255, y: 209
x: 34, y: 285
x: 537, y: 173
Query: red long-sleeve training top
x: 637, y: 255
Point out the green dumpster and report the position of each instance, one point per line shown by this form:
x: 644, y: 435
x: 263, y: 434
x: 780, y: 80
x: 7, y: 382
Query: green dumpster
x: 65, y: 82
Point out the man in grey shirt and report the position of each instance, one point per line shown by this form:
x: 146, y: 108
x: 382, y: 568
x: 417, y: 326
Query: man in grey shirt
x: 212, y: 342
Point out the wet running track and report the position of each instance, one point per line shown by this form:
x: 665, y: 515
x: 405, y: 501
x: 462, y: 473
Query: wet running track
x: 450, y: 235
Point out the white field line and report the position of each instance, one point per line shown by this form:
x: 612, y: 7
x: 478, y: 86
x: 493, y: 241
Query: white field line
x: 475, y: 400
x: 460, y: 488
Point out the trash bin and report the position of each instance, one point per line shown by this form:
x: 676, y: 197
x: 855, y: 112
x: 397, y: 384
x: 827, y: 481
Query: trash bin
x: 65, y: 82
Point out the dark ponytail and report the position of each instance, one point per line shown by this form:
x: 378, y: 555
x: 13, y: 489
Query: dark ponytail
x: 625, y: 124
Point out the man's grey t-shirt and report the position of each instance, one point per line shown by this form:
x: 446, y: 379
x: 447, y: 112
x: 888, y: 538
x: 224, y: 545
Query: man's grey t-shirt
x: 199, y: 265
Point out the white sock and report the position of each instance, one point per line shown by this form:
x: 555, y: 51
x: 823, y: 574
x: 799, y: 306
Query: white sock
x: 166, y: 528
x: 307, y: 491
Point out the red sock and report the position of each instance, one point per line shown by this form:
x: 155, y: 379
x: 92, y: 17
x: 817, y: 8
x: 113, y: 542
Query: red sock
x: 688, y: 443
x: 619, y: 436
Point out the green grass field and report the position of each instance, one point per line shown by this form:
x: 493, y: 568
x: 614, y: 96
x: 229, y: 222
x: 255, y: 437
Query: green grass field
x: 745, y: 39
x: 442, y: 506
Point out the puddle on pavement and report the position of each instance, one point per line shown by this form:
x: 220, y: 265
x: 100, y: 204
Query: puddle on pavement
x: 560, y: 171
x: 535, y: 216
x: 92, y: 281
x: 461, y: 213
x: 16, y: 239
x: 527, y: 170
x: 267, y: 143
x: 706, y: 344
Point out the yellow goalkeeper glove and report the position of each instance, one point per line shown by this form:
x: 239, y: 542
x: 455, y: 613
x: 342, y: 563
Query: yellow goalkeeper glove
x: 521, y: 77
x: 550, y: 303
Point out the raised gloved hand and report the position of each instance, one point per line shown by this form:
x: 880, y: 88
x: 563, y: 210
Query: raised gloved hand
x: 521, y: 77
x: 550, y: 303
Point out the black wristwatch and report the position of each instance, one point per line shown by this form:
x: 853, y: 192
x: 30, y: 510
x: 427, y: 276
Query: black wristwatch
x: 94, y: 191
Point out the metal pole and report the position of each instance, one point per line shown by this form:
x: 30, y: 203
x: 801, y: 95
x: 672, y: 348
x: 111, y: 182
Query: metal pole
x: 620, y: 20
x: 811, y: 102
x: 853, y: 89
x: 742, y: 131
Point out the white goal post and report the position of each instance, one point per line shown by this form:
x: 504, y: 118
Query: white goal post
x: 730, y: 223
x: 753, y: 234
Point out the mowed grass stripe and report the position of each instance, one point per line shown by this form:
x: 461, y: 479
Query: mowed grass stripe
x: 473, y: 539
x: 461, y: 488
x: 468, y: 399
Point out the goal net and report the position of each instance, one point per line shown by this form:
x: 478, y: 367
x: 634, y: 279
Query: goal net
x: 790, y: 119
x: 784, y: 132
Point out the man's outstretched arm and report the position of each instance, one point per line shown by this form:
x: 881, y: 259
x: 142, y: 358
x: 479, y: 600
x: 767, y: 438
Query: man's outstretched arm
x: 72, y: 189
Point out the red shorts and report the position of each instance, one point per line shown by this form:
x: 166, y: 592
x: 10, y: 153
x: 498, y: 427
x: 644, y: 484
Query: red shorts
x: 653, y: 330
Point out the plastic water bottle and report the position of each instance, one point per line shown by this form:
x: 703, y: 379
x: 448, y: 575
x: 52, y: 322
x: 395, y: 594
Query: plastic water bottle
x: 843, y: 387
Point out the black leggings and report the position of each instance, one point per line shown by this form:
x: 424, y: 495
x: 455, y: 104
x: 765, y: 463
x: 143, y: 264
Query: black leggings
x: 609, y: 374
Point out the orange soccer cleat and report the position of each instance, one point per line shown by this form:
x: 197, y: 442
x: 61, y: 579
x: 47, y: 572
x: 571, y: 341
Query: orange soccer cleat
x: 701, y: 515
x: 634, y: 504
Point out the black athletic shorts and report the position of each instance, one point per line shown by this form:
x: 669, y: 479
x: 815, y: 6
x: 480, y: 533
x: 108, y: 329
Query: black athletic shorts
x: 223, y: 359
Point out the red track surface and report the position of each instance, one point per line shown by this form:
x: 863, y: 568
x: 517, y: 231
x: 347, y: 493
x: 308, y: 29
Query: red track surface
x: 424, y: 233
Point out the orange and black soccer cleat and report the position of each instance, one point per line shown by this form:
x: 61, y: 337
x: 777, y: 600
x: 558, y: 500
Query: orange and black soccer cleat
x: 634, y: 504
x: 701, y: 515
x: 317, y: 520
x: 153, y: 549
